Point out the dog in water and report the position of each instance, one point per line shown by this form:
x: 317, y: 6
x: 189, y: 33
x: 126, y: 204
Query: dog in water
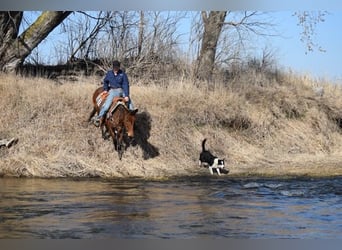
x: 207, y: 159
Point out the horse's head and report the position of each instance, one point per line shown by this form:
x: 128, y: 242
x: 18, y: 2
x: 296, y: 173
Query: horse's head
x: 129, y: 122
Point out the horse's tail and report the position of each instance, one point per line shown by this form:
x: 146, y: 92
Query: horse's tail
x: 203, y: 145
x: 92, y: 113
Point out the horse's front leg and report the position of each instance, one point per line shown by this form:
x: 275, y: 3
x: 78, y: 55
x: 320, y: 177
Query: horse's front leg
x: 113, y: 135
x: 119, y: 136
x: 105, y: 132
x: 92, y: 113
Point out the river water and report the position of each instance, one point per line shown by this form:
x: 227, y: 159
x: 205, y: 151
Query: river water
x: 202, y: 207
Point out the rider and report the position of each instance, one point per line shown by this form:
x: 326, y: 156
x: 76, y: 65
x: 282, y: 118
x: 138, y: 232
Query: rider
x: 115, y: 84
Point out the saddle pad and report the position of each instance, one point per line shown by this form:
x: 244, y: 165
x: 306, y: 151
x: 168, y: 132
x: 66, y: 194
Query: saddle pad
x: 101, y: 98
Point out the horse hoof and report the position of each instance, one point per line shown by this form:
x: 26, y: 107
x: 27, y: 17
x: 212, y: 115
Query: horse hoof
x: 131, y: 140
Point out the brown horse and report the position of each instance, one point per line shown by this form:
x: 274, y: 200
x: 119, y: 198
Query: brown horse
x: 118, y: 121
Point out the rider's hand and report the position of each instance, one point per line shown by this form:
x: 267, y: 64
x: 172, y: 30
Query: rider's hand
x: 126, y: 99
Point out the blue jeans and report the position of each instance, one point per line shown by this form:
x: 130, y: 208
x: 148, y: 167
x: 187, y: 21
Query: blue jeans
x: 130, y: 104
x: 111, y: 94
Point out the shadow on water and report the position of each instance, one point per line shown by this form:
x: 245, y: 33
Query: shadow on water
x: 143, y: 125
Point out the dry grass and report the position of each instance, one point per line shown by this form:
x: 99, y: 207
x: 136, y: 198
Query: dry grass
x: 261, y: 125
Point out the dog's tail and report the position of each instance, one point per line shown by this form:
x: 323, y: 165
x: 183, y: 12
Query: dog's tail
x: 203, y: 145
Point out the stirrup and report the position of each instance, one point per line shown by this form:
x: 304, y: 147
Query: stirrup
x: 96, y: 121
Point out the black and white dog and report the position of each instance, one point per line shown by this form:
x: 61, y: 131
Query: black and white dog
x: 207, y: 159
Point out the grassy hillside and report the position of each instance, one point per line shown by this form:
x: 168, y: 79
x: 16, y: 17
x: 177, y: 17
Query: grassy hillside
x: 262, y: 125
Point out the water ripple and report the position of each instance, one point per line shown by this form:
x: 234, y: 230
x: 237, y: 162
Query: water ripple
x: 181, y: 208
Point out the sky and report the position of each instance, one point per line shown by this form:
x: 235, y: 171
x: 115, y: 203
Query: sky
x: 289, y: 51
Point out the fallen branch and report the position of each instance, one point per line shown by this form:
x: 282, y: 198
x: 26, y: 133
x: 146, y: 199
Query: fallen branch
x: 8, y: 142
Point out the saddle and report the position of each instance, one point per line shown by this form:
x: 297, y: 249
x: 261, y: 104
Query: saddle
x: 117, y: 101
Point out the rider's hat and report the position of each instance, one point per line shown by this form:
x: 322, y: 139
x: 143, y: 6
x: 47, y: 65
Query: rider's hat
x: 116, y: 64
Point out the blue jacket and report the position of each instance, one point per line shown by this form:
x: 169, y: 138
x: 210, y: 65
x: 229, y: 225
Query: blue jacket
x: 118, y: 81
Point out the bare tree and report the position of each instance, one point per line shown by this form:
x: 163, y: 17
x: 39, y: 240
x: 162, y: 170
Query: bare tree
x: 240, y: 34
x: 141, y: 33
x: 143, y: 41
x: 309, y: 21
x: 213, y: 23
x: 160, y: 45
x: 161, y: 34
x: 83, y: 32
x: 14, y: 48
x: 215, y: 30
x: 120, y: 35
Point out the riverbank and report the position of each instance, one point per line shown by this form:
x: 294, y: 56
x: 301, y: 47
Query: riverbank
x: 261, y: 125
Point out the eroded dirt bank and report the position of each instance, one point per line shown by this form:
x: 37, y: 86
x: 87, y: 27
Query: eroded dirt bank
x: 275, y: 129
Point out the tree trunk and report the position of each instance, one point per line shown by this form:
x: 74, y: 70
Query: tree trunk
x: 212, y: 29
x: 14, y: 49
x: 9, y: 28
x: 141, y: 33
